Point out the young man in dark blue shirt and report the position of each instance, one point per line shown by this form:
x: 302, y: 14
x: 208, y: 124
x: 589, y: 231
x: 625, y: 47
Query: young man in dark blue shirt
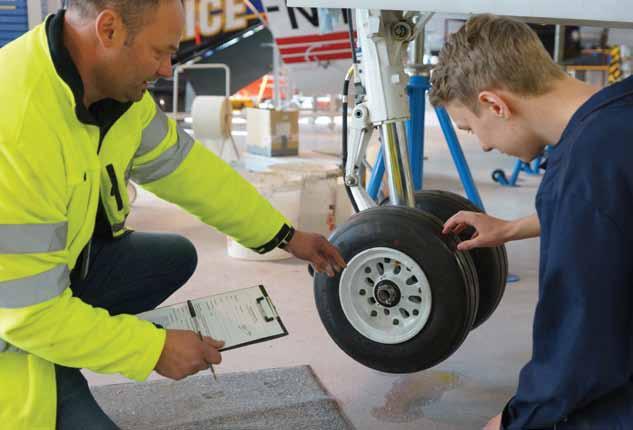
x: 498, y: 82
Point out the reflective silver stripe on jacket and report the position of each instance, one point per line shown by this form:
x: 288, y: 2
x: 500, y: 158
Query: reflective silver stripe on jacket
x: 166, y: 163
x: 32, y: 238
x: 154, y: 133
x: 32, y: 290
x: 7, y: 347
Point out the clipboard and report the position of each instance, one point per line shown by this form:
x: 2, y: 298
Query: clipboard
x: 241, y: 317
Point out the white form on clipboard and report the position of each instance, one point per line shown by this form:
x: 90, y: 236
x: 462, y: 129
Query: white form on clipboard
x: 239, y: 318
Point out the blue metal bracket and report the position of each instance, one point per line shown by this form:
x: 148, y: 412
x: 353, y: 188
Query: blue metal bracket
x: 377, y: 173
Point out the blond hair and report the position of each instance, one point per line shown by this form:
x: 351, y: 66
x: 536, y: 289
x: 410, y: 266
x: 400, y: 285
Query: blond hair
x: 491, y: 52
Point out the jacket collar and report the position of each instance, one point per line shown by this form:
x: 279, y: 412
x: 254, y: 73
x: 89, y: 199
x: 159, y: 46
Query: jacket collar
x: 602, y: 98
x: 65, y: 66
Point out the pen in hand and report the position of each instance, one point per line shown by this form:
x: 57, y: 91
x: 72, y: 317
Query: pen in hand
x: 194, y: 317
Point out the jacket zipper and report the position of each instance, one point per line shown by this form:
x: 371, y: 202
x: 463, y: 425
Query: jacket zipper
x: 115, y: 187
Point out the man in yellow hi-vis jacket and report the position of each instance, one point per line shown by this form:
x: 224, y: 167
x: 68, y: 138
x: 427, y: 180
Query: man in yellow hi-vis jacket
x: 76, y: 123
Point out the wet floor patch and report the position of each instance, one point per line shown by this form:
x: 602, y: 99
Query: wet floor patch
x: 410, y: 394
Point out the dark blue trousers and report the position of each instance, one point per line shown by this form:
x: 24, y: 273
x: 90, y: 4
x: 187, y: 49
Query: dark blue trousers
x: 130, y: 275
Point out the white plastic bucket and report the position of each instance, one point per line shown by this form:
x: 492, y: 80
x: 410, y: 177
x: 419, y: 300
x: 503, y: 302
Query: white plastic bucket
x: 318, y: 207
x: 283, y: 191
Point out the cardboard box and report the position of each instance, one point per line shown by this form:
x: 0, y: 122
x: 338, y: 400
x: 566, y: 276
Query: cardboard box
x: 272, y: 132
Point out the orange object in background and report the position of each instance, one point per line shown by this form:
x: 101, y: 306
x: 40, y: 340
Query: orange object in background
x: 262, y: 88
x: 267, y: 85
x: 257, y: 91
x: 247, y: 96
x: 197, y: 34
x: 331, y: 218
x: 252, y: 89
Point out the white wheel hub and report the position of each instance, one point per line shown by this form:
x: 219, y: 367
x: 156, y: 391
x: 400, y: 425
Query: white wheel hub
x: 385, y: 295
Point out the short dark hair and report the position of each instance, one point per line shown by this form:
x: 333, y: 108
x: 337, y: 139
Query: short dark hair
x: 134, y: 13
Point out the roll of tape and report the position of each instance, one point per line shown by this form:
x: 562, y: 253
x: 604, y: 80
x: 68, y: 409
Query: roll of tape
x: 212, y: 117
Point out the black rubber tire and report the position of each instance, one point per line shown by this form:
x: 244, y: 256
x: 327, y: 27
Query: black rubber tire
x: 491, y: 263
x: 450, y: 274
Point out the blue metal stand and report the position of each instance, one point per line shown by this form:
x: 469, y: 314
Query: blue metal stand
x: 418, y: 86
x: 458, y: 158
x: 533, y: 168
